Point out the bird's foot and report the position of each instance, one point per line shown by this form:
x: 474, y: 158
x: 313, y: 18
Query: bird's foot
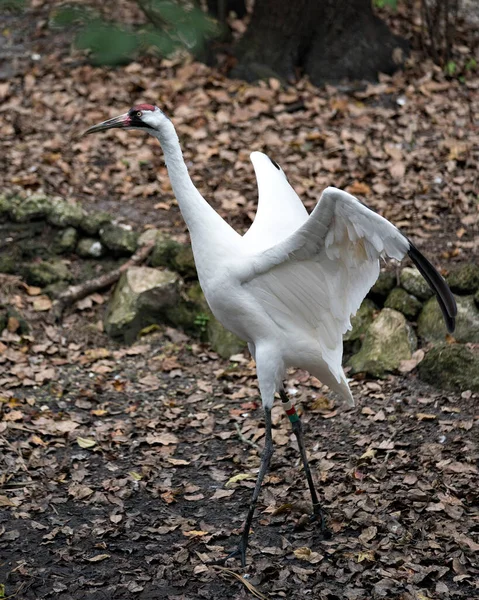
x: 319, y: 516
x: 240, y: 552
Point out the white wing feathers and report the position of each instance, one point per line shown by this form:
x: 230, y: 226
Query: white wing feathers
x: 280, y: 210
x: 315, y: 279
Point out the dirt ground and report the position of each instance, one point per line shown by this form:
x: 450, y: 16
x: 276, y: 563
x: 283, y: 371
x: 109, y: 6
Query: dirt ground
x: 126, y: 470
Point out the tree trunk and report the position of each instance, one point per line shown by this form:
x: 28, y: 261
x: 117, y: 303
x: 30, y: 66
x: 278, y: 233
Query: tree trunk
x: 329, y: 40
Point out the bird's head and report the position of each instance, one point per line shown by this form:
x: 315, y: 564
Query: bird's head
x: 144, y: 117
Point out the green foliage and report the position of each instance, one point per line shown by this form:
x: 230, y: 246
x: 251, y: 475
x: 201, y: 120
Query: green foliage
x: 471, y: 65
x: 450, y: 68
x: 172, y: 26
x: 201, y: 321
x: 393, y: 4
x: 12, y: 6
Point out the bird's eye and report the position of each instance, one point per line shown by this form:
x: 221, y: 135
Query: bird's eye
x: 139, y: 113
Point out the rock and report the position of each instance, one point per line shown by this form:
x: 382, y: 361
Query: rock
x: 66, y: 240
x: 464, y: 279
x: 91, y: 223
x: 388, y: 340
x: 121, y: 241
x: 141, y: 298
x: 431, y: 327
x: 223, y: 341
x: 403, y: 302
x: 385, y: 283
x: 361, y: 321
x: 44, y: 273
x: 476, y: 298
x: 173, y: 255
x: 414, y: 283
x: 149, y: 235
x: 89, y: 248
x: 164, y: 251
x: 451, y: 366
x: 32, y: 208
x: 64, y: 214
x: 184, y: 263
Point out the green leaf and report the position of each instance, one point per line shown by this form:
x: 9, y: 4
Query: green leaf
x: 450, y: 68
x: 109, y: 44
x: 71, y: 14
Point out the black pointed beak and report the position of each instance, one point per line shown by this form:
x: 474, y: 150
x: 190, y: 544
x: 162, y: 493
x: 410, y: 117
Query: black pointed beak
x: 120, y: 122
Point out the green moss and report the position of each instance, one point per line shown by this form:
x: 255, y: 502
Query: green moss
x: 464, y: 279
x: 388, y: 340
x: 403, y: 302
x: 65, y: 214
x: 385, y: 283
x: 414, y: 283
x: 32, y: 208
x: 65, y: 241
x: 431, y: 325
x: 164, y: 252
x: 119, y: 240
x: 451, y: 366
x: 361, y: 321
x: 45, y: 273
x: 92, y: 223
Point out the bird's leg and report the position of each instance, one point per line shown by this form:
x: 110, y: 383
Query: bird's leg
x: 263, y: 469
x: 318, y: 512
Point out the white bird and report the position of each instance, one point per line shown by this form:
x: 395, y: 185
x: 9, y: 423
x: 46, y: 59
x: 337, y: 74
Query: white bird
x: 290, y: 285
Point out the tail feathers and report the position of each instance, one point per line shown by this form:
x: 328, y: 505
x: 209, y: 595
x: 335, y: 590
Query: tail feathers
x: 437, y: 284
x: 343, y: 390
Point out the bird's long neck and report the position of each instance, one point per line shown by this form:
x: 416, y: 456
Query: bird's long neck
x: 203, y: 222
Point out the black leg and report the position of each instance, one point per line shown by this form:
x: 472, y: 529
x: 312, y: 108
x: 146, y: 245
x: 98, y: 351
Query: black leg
x: 265, y: 460
x: 318, y: 512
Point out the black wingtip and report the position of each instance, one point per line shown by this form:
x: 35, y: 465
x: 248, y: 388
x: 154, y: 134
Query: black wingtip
x: 437, y: 283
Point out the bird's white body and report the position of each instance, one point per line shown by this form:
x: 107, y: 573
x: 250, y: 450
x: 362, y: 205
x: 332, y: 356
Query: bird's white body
x: 289, y: 285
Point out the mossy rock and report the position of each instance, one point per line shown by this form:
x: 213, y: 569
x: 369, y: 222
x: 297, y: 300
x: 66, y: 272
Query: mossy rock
x: 30, y: 209
x: 184, y: 262
x: 384, y: 284
x: 142, y: 297
x: 223, y: 341
x: 431, y: 326
x: 164, y: 251
x: 90, y: 248
x: 403, y: 302
x: 46, y: 272
x: 91, y: 223
x: 464, y: 279
x: 388, y: 341
x: 6, y: 204
x: 65, y: 241
x: 361, y: 321
x: 414, y: 283
x: 121, y: 241
x: 452, y: 367
x: 65, y: 214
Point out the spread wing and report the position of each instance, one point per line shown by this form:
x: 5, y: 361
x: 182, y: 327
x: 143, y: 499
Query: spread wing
x: 280, y: 210
x: 315, y: 279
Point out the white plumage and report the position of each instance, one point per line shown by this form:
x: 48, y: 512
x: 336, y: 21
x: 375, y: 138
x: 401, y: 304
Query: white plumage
x: 290, y: 285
